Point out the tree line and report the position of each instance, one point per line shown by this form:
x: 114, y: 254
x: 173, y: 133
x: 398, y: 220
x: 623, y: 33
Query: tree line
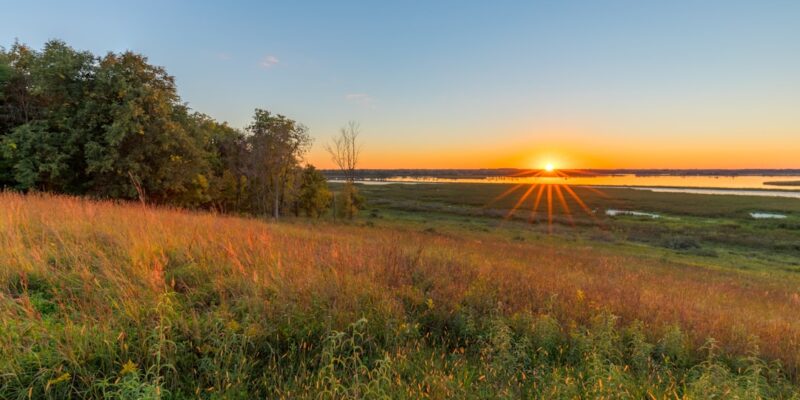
x: 113, y: 126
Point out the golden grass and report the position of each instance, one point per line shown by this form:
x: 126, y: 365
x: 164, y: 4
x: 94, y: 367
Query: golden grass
x: 109, y: 260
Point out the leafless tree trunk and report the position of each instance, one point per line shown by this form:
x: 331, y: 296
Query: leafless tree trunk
x: 345, y: 150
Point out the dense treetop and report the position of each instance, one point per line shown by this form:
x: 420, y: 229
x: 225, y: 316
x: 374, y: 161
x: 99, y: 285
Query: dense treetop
x: 113, y: 126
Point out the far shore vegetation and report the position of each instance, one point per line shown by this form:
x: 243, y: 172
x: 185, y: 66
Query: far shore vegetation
x: 783, y: 183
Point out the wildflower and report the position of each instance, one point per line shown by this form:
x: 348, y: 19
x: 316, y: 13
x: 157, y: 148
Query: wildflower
x: 129, y: 367
x: 233, y: 326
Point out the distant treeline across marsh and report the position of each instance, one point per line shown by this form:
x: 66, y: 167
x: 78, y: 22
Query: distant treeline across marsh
x: 479, y: 173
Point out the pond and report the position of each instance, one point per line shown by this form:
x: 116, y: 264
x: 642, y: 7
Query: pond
x: 764, y: 215
x: 614, y: 213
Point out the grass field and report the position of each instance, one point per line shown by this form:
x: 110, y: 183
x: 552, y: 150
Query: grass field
x: 718, y: 228
x: 433, y: 293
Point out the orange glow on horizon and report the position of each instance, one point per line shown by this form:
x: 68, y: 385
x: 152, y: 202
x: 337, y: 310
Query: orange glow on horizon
x: 579, y: 148
x: 579, y: 155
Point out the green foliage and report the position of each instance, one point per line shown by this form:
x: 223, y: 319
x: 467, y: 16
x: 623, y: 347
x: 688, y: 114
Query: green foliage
x: 129, y: 386
x: 114, y: 127
x: 5, y: 75
x: 276, y: 145
x: 45, y: 95
x: 142, y: 134
x: 349, y: 201
x: 38, y: 156
x: 314, y: 197
x: 345, y: 371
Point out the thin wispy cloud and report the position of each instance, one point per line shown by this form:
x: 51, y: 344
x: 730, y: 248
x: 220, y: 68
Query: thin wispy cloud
x: 269, y: 62
x: 223, y: 56
x: 362, y: 99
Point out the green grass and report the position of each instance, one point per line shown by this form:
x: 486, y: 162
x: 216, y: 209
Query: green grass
x: 105, y: 300
x: 710, y: 229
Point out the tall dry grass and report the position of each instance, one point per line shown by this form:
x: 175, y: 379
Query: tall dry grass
x: 100, y: 299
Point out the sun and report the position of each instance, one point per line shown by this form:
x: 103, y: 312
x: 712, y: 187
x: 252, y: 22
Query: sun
x: 549, y: 167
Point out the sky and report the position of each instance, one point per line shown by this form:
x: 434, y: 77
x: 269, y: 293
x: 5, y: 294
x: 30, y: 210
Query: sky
x: 474, y: 84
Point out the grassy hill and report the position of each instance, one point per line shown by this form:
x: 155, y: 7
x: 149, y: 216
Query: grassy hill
x: 110, y: 300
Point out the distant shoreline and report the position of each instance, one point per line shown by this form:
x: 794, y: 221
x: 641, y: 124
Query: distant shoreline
x: 786, y: 190
x: 632, y: 187
x: 484, y: 173
x: 784, y: 183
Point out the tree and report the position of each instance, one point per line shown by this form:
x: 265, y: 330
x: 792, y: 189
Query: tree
x: 314, y: 198
x: 109, y: 127
x: 349, y: 201
x: 276, y: 146
x: 7, y: 120
x: 37, y: 156
x: 115, y: 127
x: 18, y: 105
x: 138, y: 132
x: 226, y: 150
x: 43, y: 101
x: 345, y: 150
x: 6, y: 73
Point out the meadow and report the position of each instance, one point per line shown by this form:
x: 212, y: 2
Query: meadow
x: 718, y: 228
x: 435, y: 292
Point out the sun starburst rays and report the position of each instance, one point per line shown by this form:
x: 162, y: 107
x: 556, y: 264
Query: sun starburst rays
x: 549, y: 208
x: 556, y: 194
x: 536, y: 203
x: 520, y: 201
x: 564, y: 205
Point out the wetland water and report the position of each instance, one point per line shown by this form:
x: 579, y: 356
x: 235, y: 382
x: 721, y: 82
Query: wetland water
x: 752, y: 185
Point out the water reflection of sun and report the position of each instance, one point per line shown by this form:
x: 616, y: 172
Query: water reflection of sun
x: 541, y: 189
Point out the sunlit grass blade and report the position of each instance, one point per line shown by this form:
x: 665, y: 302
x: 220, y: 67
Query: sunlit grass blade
x: 520, y: 201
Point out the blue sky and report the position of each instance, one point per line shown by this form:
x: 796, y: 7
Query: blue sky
x: 473, y: 84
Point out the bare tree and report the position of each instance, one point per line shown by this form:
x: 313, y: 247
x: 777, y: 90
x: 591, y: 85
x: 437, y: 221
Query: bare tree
x: 345, y: 150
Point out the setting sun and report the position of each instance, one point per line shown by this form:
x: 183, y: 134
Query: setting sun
x: 549, y: 167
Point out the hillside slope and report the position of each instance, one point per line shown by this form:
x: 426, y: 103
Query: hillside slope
x: 99, y: 299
